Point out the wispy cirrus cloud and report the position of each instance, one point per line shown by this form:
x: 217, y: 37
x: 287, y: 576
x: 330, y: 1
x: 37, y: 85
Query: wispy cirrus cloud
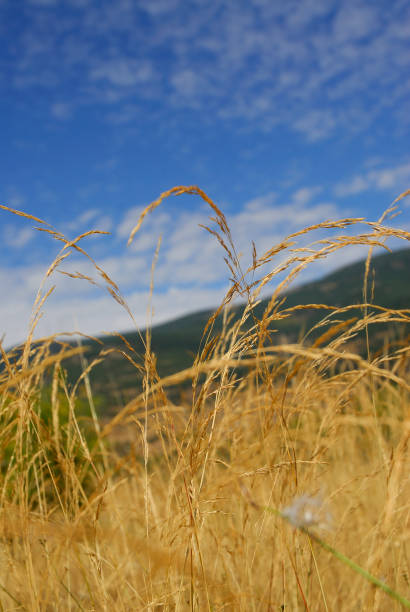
x: 314, y: 66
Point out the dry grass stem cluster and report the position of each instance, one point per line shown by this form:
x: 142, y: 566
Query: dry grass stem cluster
x: 180, y: 521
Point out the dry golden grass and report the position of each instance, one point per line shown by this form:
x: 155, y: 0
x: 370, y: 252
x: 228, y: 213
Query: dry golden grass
x: 180, y: 522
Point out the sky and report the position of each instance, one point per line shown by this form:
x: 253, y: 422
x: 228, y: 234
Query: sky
x: 284, y: 113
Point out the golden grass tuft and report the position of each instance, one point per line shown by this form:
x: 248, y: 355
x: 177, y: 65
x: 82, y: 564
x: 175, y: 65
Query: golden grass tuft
x: 180, y: 521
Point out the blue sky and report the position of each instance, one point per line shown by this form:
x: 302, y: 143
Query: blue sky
x: 285, y: 113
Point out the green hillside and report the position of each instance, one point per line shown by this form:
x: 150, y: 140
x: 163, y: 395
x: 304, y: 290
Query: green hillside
x: 390, y: 273
x: 175, y: 343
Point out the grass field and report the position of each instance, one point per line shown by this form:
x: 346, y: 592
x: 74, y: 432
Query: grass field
x: 277, y: 480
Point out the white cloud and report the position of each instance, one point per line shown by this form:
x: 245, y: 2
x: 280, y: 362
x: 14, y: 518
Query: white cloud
x: 154, y: 225
x: 101, y: 313
x: 178, y: 301
x: 190, y: 256
x: 159, y: 7
x: 14, y: 198
x: 261, y: 202
x: 61, y: 110
x: 123, y: 72
x: 356, y: 185
x: 394, y: 179
x: 305, y: 194
x: 129, y: 220
x: 86, y: 216
x: 104, y: 224
x: 75, y: 305
x: 354, y: 22
x: 187, y: 83
x: 19, y: 287
x: 89, y: 219
x: 316, y: 124
x: 16, y: 237
x: 388, y: 178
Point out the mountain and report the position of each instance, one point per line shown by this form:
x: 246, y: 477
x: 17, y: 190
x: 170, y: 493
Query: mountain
x: 176, y: 343
x: 389, y: 271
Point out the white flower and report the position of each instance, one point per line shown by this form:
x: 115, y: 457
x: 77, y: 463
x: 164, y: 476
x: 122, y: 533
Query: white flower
x: 307, y: 511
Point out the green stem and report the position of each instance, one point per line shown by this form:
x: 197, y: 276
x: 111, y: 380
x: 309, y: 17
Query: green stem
x: 405, y: 602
